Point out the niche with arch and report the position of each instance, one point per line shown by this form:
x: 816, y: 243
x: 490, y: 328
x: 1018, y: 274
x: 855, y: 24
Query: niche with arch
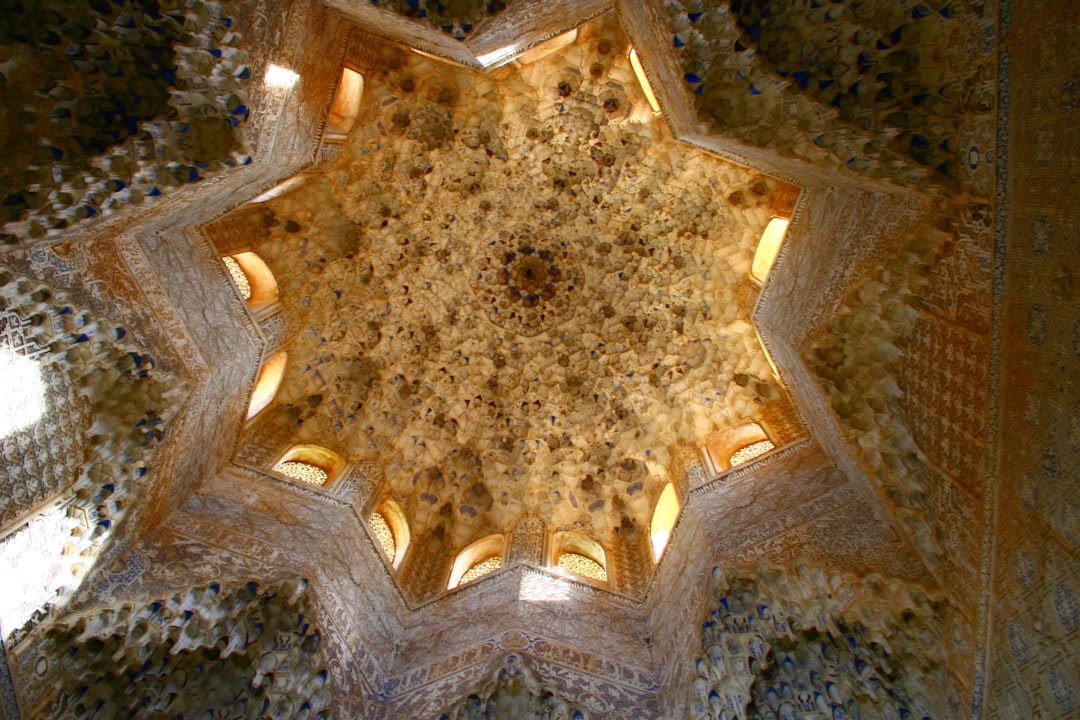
x: 253, y: 279
x: 345, y: 107
x: 391, y: 529
x: 737, y: 446
x: 312, y: 464
x: 768, y: 248
x: 580, y: 555
x: 663, y: 520
x: 267, y: 384
x: 478, y: 559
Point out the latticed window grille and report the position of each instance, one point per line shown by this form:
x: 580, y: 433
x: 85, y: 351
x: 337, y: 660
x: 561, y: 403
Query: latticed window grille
x: 582, y: 565
x: 15, y: 337
x: 750, y: 452
x: 303, y: 471
x: 481, y: 568
x: 382, y: 531
x: 239, y: 277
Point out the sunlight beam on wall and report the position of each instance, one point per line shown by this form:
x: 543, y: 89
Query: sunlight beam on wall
x: 23, y: 401
x: 542, y: 588
x: 38, y: 560
x: 277, y: 76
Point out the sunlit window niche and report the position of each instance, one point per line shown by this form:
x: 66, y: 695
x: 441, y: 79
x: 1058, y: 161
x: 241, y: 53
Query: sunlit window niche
x: 768, y: 248
x: 253, y: 279
x: 391, y: 529
x: 643, y: 80
x: 748, y: 452
x: 346, y: 106
x: 580, y: 555
x: 478, y: 559
x: 312, y: 464
x: 737, y: 446
x: 267, y: 384
x: 383, y: 534
x: 38, y: 560
x: 23, y: 401
x: 663, y: 520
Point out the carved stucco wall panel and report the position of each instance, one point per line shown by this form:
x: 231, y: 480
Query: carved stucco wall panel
x: 793, y: 507
x: 677, y: 600
x: 354, y: 647
x: 926, y: 307
x: 1031, y: 620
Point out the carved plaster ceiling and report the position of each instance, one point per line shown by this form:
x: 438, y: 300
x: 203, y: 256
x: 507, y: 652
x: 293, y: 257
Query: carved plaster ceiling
x: 513, y: 302
x: 515, y: 293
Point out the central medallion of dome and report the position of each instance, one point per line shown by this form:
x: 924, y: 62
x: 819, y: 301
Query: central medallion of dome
x: 524, y: 281
x: 529, y: 276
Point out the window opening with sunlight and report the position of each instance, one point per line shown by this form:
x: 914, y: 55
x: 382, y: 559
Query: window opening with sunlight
x: 643, y: 80
x: 391, y: 529
x: 238, y: 277
x: 266, y: 386
x: 306, y: 472
x: 481, y: 569
x: 478, y: 559
x: 768, y: 248
x: 736, y: 446
x: 23, y: 401
x: 253, y: 280
x: 583, y: 565
x: 663, y: 520
x: 751, y: 451
x: 384, y: 535
x: 346, y: 105
x: 312, y: 464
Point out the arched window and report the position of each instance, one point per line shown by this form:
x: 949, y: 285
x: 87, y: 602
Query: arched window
x: 541, y: 51
x: 390, y: 527
x: 581, y: 555
x: 346, y: 106
x: 643, y: 80
x: 23, y: 401
x: 253, y: 279
x: 751, y: 451
x: 311, y: 464
x: 663, y: 520
x: 736, y: 446
x: 768, y: 247
x: 478, y: 559
x: 267, y: 385
x: 281, y: 188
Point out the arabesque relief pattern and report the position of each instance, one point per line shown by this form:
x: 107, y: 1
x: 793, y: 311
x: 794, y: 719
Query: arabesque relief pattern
x: 1033, y: 629
x: 514, y: 693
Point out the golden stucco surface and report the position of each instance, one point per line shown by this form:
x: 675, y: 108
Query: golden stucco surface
x: 516, y: 293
